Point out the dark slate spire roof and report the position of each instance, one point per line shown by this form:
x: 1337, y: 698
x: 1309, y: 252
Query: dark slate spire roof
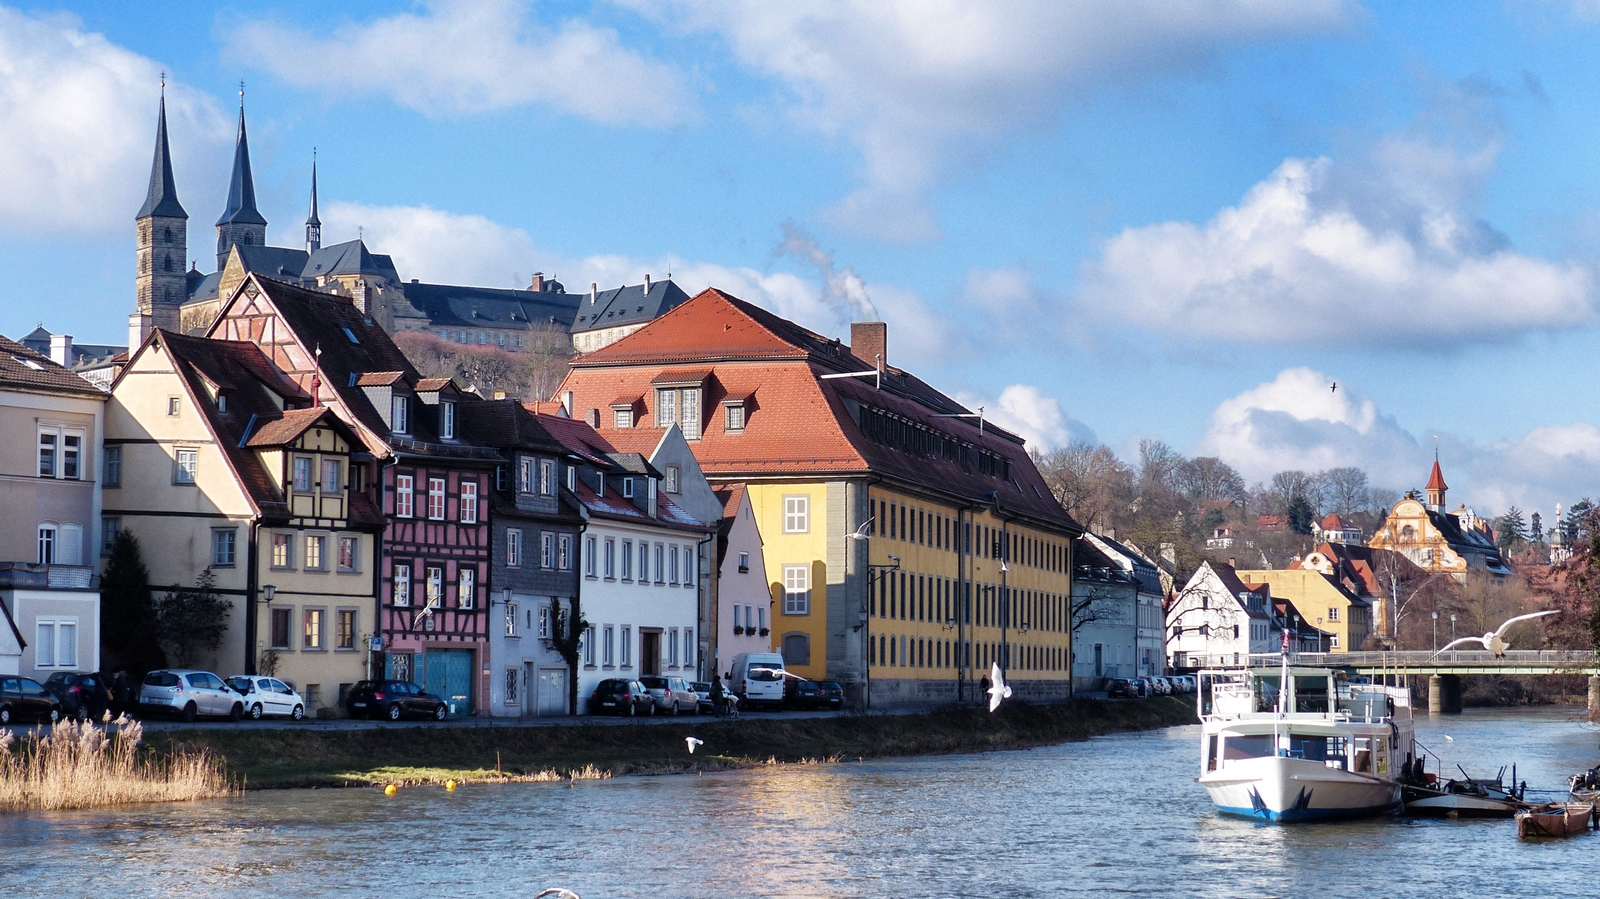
x: 162, y: 198
x: 241, y: 188
x: 312, y: 219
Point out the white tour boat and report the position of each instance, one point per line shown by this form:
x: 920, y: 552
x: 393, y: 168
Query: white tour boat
x: 1302, y: 744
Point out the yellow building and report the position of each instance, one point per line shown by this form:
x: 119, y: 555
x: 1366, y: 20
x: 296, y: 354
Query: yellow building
x: 1322, y: 602
x: 908, y: 543
x: 223, y: 465
x: 1455, y: 543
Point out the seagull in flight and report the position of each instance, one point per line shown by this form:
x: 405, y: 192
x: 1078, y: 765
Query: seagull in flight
x: 1495, y: 641
x: 861, y: 532
x: 693, y: 742
x: 1334, y: 388
x: 558, y: 893
x: 998, y: 689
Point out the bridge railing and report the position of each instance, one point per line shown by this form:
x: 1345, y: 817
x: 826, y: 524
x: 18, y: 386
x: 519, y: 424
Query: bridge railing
x: 1577, y: 659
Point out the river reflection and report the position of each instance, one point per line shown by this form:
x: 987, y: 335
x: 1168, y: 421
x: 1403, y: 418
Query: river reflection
x: 1119, y: 814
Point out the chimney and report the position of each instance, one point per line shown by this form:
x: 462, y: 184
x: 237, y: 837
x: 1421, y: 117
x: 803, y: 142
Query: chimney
x: 61, y: 349
x: 594, y: 291
x: 1233, y: 563
x: 566, y: 402
x: 869, y: 341
x: 646, y: 283
x: 592, y: 417
x: 537, y: 284
x: 138, y: 329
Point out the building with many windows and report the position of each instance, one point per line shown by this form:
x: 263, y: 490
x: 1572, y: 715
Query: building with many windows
x: 50, y: 429
x: 908, y: 543
x: 221, y: 465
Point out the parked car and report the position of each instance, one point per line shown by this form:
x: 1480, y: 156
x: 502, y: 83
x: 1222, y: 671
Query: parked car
x: 620, y: 696
x: 702, y: 689
x: 393, y: 699
x: 24, y: 697
x: 802, y: 693
x: 1142, y: 686
x: 832, y: 694
x: 268, y: 696
x: 672, y: 694
x: 82, y: 696
x: 1163, y: 687
x: 189, y: 694
x: 1121, y: 688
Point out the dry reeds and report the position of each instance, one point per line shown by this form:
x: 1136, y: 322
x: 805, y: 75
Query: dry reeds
x: 77, y: 766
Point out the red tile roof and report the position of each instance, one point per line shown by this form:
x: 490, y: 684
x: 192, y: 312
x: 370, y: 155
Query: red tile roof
x: 24, y: 369
x: 1436, y: 479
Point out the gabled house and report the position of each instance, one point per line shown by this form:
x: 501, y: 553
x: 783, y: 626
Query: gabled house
x: 1150, y: 638
x: 639, y: 594
x: 1218, y: 621
x: 1105, y: 608
x: 604, y: 317
x: 429, y: 482
x: 220, y: 464
x: 1335, y: 607
x: 742, y: 614
x: 51, y: 423
x: 1456, y: 543
x: 1334, y: 529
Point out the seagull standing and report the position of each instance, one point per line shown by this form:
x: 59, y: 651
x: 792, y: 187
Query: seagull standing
x: 1495, y: 640
x: 693, y: 742
x: 998, y: 688
x: 558, y: 893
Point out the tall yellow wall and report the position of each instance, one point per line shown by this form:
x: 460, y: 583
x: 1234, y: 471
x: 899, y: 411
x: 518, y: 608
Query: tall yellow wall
x: 809, y: 548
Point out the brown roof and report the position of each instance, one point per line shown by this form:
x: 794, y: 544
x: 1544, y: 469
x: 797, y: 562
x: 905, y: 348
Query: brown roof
x: 506, y: 423
x: 24, y: 369
x: 431, y: 384
x: 380, y: 378
x: 797, y: 423
x: 291, y: 423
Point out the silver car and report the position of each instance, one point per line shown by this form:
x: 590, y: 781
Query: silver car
x: 189, y: 694
x: 268, y: 697
x: 672, y: 694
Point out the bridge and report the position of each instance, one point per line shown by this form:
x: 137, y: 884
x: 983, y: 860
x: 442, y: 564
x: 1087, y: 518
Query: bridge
x: 1444, y: 669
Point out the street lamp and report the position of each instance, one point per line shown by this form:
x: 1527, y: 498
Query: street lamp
x: 1452, y: 627
x: 1436, y: 631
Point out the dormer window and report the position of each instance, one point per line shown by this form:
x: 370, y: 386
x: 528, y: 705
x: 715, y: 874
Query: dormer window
x: 572, y: 478
x: 733, y: 411
x: 400, y: 422
x: 627, y: 488
x: 222, y: 402
x: 302, y: 473
x: 447, y: 421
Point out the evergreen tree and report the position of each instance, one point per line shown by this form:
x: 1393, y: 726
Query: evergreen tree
x: 1301, y: 514
x: 192, y: 621
x: 1535, y: 528
x: 1510, y: 528
x: 127, y: 615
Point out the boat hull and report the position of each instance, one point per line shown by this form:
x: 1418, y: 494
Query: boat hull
x: 1287, y: 790
x: 1562, y: 820
x: 1452, y: 805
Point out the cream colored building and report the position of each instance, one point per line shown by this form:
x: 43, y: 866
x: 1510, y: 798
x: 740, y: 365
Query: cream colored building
x: 226, y: 466
x: 1455, y: 543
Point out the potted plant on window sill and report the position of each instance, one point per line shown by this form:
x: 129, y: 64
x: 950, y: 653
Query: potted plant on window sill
x: 765, y: 631
x: 738, y: 629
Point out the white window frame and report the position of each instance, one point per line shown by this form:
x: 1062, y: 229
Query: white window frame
x: 469, y: 502
x: 316, y: 553
x: 513, y: 547
x: 405, y: 495
x: 797, y: 514
x: 547, y: 552
x: 590, y: 564
x: 627, y: 646
x: 400, y: 593
x: 666, y: 406
x: 62, y: 653
x: 49, y: 542
x: 588, y: 647
x: 466, y: 588
x: 330, y: 481
x: 436, y: 499
x: 300, y: 473
x: 797, y: 589
x: 513, y: 609
x: 433, y: 586
x: 627, y: 560
x: 447, y: 421
x: 674, y: 477
x: 543, y: 628
x: 661, y: 552
x: 525, y: 475
x: 185, y: 466
x: 672, y: 647
x: 547, y: 477
x: 689, y: 414
x: 608, y: 654
x: 287, y: 542
x: 564, y: 552
x: 610, y: 565
x: 400, y: 414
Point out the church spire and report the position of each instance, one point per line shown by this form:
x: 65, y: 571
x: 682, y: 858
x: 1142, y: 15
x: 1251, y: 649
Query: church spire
x: 241, y: 222
x: 162, y: 197
x: 313, y: 224
x: 1436, y: 486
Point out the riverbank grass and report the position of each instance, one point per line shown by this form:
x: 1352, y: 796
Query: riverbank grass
x: 78, y: 766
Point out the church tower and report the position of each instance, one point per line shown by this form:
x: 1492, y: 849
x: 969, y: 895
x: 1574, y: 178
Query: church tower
x: 313, y: 224
x: 1436, y: 488
x: 163, y: 240
x: 241, y: 223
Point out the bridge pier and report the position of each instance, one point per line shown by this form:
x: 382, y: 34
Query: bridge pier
x: 1444, y: 694
x: 1594, y: 697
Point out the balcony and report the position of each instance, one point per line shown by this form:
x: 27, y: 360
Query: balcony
x: 33, y: 576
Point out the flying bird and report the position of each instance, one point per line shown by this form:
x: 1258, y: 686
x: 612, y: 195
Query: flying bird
x: 1334, y: 388
x: 861, y: 532
x: 998, y: 688
x: 1495, y: 641
x: 693, y: 742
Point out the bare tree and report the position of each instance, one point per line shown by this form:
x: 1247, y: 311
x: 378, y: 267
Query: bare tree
x: 1344, y: 490
x: 1089, y: 481
x: 1210, y: 478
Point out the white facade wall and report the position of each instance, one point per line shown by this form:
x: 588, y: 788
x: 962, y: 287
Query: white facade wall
x: 1232, y: 632
x: 1113, y: 631
x: 743, y: 600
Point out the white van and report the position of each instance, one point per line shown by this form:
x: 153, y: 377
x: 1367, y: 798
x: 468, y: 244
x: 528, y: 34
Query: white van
x: 757, y: 679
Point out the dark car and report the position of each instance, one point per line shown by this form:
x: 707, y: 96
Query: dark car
x: 802, y: 694
x: 832, y: 694
x: 703, y: 690
x: 1121, y: 688
x: 619, y: 696
x: 24, y: 697
x: 82, y: 695
x: 393, y: 699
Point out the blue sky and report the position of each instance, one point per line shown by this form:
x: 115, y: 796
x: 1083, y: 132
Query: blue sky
x: 1142, y: 219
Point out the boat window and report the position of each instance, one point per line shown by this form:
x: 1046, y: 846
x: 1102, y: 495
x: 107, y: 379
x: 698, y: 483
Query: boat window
x: 1311, y: 694
x: 1247, y: 746
x: 1363, y: 755
x: 1267, y: 694
x: 1211, y: 753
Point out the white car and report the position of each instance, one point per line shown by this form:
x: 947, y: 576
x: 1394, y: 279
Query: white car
x: 268, y: 697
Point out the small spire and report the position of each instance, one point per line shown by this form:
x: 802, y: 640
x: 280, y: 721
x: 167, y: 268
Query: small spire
x: 242, y: 186
x: 162, y: 197
x: 313, y: 223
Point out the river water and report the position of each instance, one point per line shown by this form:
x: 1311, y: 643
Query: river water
x: 1119, y: 814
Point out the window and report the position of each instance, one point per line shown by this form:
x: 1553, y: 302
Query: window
x: 524, y: 475
x: 433, y: 587
x: 672, y: 565
x: 671, y: 483
x: 513, y: 547
x: 564, y: 552
x: 1333, y: 614
x: 436, y: 499
x: 627, y: 646
x: 511, y: 619
x: 302, y: 473
x: 512, y: 679
x: 447, y: 421
x: 796, y: 590
x: 404, y: 493
x: 644, y: 562
x: 174, y: 405
x: 331, y: 482
x: 735, y: 417
x: 547, y: 477
x: 47, y: 454
x: 113, y: 466
x: 666, y: 407
x: 344, y: 629
x: 688, y: 647
x: 691, y: 413
x: 400, y: 422
x: 544, y: 622
x: 608, y: 648
x: 469, y: 502
x: 1333, y: 641
x: 316, y: 544
x: 279, y: 636
x: 588, y: 646
x: 71, y: 452
x: 223, y: 546
x: 402, y: 583
x: 349, y: 553
x: 622, y: 416
x: 187, y: 466
x: 546, y: 549
x: 282, y: 550
x: 744, y: 562
x: 47, y: 544
x: 796, y: 649
x: 466, y: 588
x: 572, y: 478
x: 56, y: 644
x: 761, y: 620
x: 672, y: 647
x: 588, y: 557
x: 627, y: 488
x: 611, y: 558
x: 660, y: 572
x: 311, y: 633
x: 627, y: 560
x: 796, y: 514
x: 109, y: 528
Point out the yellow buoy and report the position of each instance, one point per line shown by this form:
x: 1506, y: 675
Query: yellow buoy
x: 450, y: 786
x: 390, y: 790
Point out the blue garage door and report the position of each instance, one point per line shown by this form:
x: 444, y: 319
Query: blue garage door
x: 448, y: 673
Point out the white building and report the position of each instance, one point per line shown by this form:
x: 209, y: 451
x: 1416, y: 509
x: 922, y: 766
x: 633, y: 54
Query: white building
x: 1217, y: 621
x: 1150, y: 629
x: 744, y: 601
x: 1105, y: 603
x: 640, y: 565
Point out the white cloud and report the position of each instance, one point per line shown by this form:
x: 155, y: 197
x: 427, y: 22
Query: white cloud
x: 920, y: 86
x: 1379, y: 250
x: 78, y: 124
x: 471, y: 56
x: 1296, y: 421
x: 1031, y: 414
